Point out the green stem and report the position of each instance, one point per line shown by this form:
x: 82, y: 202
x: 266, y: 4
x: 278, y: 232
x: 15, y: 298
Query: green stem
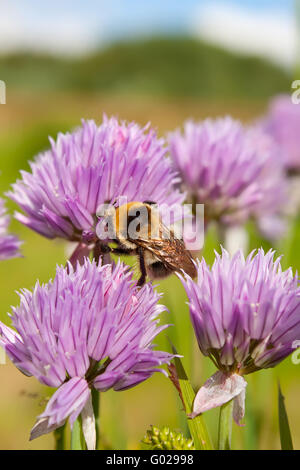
x: 76, y: 441
x: 225, y: 426
x: 59, y: 436
x: 96, y: 408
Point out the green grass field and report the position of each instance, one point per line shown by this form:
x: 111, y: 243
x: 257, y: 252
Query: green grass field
x: 25, y: 122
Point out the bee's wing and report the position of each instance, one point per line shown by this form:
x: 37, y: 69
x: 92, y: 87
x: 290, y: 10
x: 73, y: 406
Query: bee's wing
x: 171, y: 251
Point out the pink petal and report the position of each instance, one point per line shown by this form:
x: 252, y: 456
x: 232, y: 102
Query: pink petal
x: 217, y: 390
x: 68, y: 401
x: 239, y: 407
x: 41, y: 427
x: 89, y: 425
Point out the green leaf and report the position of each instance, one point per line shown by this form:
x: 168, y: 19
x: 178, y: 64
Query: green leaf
x: 284, y: 428
x: 196, y: 426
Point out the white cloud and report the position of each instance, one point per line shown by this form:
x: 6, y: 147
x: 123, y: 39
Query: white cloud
x: 60, y: 34
x: 268, y: 33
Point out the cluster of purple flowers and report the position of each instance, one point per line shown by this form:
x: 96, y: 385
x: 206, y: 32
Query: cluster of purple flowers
x: 282, y: 123
x: 9, y: 244
x: 234, y: 171
x: 92, y: 327
x: 92, y: 166
x: 246, y: 317
x: 245, y: 312
x: 89, y: 328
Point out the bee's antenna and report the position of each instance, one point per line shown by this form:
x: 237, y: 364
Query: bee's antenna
x: 150, y: 203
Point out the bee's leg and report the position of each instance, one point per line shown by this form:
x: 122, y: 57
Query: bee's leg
x: 142, y: 279
x: 102, y: 251
x: 123, y: 251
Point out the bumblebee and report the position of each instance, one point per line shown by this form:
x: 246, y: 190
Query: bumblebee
x: 139, y: 231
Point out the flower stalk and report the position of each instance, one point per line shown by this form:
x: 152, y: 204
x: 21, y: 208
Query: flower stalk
x: 96, y: 408
x: 76, y: 440
x: 59, y: 436
x: 225, y: 426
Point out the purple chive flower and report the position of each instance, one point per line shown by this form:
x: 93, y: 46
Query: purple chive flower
x: 270, y: 212
x: 246, y: 316
x: 87, y: 168
x: 9, y: 244
x: 232, y: 170
x: 89, y: 328
x: 283, y: 124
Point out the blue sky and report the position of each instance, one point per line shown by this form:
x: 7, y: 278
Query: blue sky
x: 77, y: 26
x: 118, y: 18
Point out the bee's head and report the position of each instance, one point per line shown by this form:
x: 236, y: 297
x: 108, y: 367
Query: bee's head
x: 134, y: 220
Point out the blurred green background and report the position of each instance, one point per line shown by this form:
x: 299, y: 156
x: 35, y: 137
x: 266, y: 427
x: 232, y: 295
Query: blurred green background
x: 164, y: 80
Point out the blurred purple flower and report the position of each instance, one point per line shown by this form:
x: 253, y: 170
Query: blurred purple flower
x: 232, y: 170
x: 89, y: 328
x: 9, y: 244
x: 87, y: 168
x: 283, y: 124
x: 270, y: 213
x: 246, y: 316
